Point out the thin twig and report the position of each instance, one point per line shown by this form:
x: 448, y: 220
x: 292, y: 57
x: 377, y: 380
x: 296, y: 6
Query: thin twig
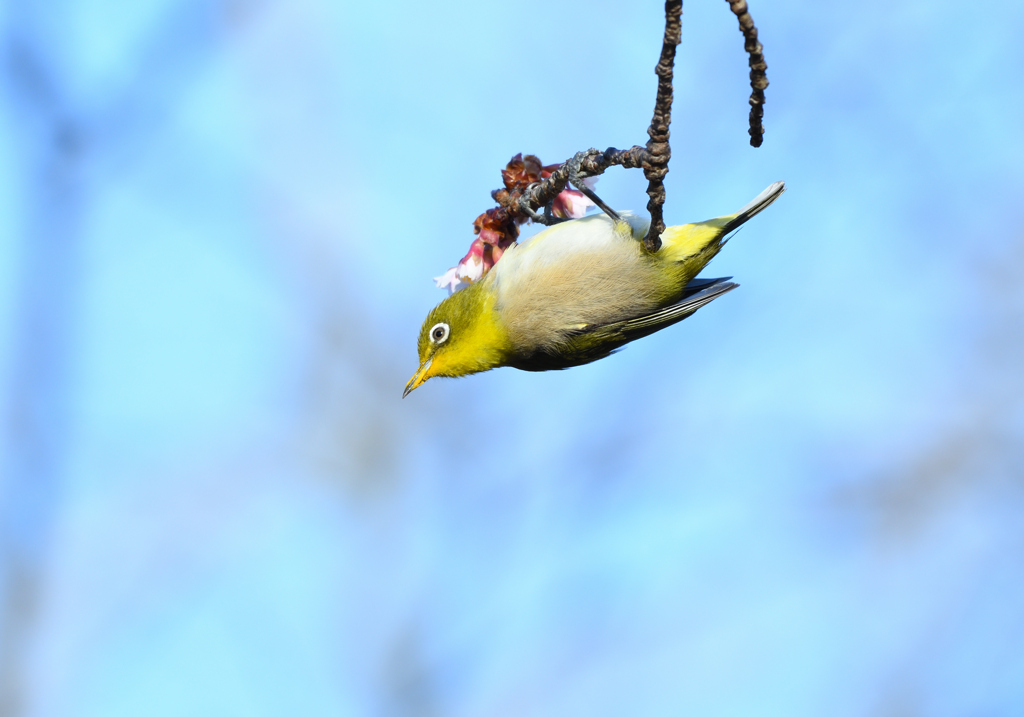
x: 758, y: 78
x: 592, y: 163
x: 658, y: 150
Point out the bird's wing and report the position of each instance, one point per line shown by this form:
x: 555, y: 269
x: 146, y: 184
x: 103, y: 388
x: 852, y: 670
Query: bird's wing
x: 698, y: 293
x: 587, y: 342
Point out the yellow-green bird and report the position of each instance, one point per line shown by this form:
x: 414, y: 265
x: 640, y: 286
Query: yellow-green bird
x: 576, y: 292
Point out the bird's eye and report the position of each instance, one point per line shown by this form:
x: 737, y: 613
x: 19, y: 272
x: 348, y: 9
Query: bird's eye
x: 439, y: 333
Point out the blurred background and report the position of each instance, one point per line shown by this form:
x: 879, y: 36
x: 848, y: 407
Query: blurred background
x: 220, y: 223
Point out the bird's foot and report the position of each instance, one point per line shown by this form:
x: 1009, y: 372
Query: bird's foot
x: 576, y: 177
x: 547, y: 218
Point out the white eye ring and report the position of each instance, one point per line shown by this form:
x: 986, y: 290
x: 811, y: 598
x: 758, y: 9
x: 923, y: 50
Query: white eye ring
x: 439, y: 333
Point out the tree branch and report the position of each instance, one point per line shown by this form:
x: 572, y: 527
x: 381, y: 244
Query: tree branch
x: 658, y: 150
x: 520, y: 202
x: 758, y: 78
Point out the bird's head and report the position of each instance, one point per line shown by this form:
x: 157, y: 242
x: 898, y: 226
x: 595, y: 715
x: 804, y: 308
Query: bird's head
x: 462, y: 335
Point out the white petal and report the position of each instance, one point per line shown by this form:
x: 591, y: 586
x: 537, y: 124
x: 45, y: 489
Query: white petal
x: 448, y: 279
x: 472, y: 269
x: 578, y: 205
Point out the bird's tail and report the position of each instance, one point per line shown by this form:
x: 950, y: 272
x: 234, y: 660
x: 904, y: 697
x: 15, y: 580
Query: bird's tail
x: 757, y: 205
x: 703, y: 239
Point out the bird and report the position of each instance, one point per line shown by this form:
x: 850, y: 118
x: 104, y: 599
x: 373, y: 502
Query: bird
x: 575, y: 293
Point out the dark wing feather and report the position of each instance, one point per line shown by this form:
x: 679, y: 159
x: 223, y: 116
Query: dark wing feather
x: 698, y: 293
x: 591, y: 343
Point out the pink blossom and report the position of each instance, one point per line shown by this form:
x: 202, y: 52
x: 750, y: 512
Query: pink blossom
x: 470, y: 268
x: 570, y: 204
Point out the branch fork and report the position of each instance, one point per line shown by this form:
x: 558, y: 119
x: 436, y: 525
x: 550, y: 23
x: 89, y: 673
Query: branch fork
x: 524, y: 194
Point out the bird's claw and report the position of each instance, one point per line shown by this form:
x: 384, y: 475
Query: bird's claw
x: 547, y: 218
x: 576, y: 177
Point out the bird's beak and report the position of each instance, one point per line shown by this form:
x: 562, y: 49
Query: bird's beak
x: 419, y: 377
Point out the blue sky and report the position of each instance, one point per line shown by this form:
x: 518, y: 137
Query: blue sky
x: 803, y: 500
